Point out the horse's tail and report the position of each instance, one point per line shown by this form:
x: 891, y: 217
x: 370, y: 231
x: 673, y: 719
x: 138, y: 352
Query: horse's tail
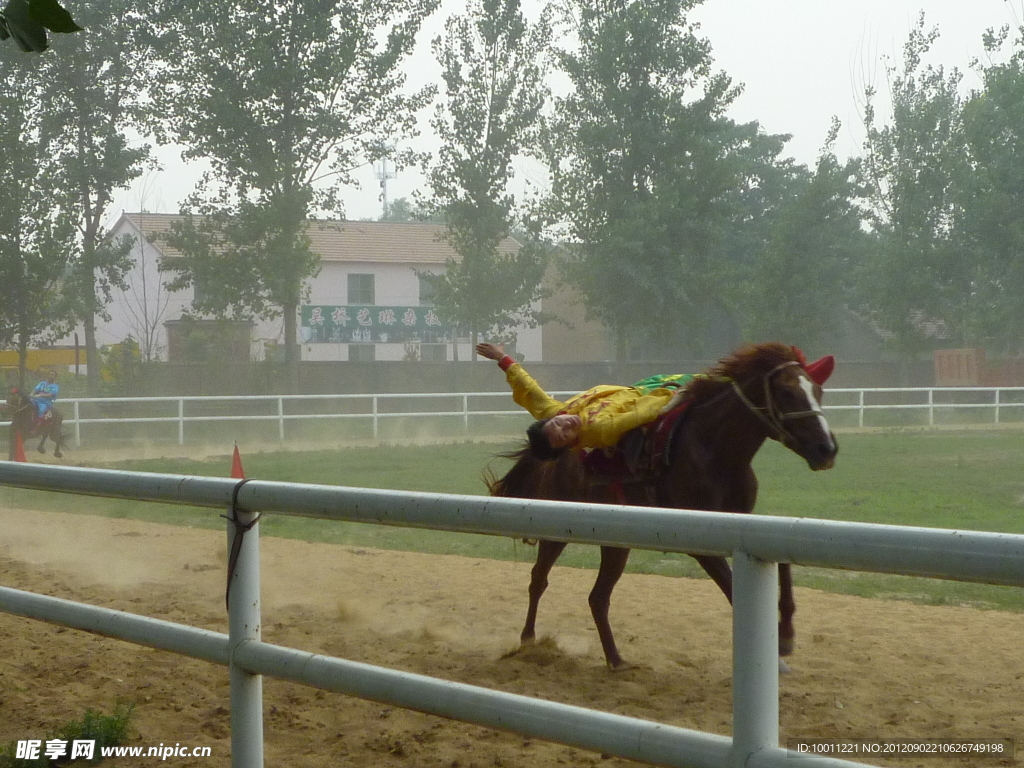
x: 531, y: 478
x: 514, y: 483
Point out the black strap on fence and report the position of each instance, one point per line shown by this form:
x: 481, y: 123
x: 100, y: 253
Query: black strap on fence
x: 236, y: 543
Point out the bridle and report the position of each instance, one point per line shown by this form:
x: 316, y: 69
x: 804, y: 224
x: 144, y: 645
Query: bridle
x: 26, y: 403
x: 770, y: 414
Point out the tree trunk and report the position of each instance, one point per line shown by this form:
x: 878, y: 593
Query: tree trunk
x: 92, y: 357
x: 292, y: 350
x: 621, y: 347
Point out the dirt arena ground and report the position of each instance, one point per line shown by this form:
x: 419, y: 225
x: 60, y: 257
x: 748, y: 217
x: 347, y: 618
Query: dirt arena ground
x: 863, y: 668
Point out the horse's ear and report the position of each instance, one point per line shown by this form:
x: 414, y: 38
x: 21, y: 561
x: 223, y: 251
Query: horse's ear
x: 820, y: 370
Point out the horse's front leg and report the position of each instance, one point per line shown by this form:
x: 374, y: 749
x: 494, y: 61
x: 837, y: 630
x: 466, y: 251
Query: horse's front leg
x: 613, y: 563
x: 547, y: 554
x: 42, y: 441
x: 787, y: 607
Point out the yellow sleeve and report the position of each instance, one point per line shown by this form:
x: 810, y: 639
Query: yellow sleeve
x: 528, y: 393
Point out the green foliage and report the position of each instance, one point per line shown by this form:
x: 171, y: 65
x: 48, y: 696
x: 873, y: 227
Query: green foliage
x: 491, y: 62
x: 37, y: 225
x: 649, y: 177
x: 911, y: 167
x: 94, y: 95
x: 26, y: 21
x: 796, y: 287
x: 120, y: 367
x: 988, y: 301
x: 106, y: 730
x: 284, y: 102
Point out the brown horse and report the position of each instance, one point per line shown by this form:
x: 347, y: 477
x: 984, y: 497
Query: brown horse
x: 761, y: 391
x: 22, y: 413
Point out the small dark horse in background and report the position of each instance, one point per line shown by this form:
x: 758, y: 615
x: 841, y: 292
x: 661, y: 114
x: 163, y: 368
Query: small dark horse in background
x: 22, y: 412
x: 761, y: 391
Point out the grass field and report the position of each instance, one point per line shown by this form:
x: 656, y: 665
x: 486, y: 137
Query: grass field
x: 966, y: 480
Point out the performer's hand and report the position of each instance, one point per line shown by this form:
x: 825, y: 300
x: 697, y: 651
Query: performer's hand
x: 490, y: 351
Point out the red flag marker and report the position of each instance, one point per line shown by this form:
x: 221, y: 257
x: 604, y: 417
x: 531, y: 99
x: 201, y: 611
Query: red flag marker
x: 236, y: 465
x: 19, y: 447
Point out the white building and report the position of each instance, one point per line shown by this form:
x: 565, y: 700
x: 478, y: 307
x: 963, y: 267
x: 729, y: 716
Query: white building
x: 368, y: 301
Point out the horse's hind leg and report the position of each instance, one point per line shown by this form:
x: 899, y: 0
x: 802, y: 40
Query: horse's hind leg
x: 787, y: 607
x: 719, y: 571
x: 613, y: 563
x: 547, y: 554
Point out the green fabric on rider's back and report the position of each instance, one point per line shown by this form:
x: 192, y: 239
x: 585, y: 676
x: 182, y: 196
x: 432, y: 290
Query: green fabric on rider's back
x: 664, y: 381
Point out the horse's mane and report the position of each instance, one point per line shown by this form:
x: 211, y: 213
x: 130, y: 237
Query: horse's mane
x: 747, y: 362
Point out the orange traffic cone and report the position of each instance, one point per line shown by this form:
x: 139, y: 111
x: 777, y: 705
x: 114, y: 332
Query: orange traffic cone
x: 236, y: 465
x: 19, y: 447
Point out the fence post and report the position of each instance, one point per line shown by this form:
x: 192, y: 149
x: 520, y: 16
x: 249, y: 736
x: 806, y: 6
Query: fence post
x: 931, y: 407
x: 243, y: 627
x: 181, y: 421
x: 374, y: 417
x: 997, y: 406
x: 280, y: 419
x: 465, y: 414
x: 755, y: 657
x: 78, y: 426
x: 860, y: 413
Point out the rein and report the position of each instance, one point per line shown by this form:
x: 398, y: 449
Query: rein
x: 769, y: 414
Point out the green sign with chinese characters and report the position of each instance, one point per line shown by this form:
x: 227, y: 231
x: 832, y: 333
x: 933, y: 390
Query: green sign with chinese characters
x: 331, y: 324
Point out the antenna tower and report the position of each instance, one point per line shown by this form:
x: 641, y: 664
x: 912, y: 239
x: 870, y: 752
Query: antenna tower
x: 383, y: 174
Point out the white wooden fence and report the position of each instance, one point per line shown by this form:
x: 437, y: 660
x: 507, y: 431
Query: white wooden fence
x: 755, y: 542
x: 993, y: 404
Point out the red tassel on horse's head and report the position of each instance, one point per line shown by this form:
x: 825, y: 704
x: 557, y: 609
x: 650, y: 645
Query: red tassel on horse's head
x: 820, y: 369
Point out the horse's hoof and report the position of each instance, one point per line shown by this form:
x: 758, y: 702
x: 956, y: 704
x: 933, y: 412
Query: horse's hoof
x: 784, y: 668
x: 58, y: 455
x: 622, y: 666
x: 41, y: 449
x: 786, y: 646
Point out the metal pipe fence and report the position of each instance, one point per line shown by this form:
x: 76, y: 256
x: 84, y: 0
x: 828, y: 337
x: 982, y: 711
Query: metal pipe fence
x: 886, y: 406
x: 755, y: 543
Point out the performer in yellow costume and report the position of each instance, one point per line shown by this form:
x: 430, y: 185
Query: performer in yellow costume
x: 596, y: 418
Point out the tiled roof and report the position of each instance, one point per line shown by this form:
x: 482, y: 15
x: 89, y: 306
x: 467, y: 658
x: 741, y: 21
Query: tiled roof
x: 335, y: 240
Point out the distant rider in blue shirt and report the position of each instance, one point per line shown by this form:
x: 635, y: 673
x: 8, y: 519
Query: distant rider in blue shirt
x: 44, y: 394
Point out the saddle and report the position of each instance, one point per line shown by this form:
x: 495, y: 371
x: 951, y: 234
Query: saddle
x: 641, y: 455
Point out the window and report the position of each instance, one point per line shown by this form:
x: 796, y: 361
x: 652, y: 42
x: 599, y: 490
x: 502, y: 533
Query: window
x: 360, y: 290
x: 361, y: 353
x: 434, y: 353
x: 428, y: 290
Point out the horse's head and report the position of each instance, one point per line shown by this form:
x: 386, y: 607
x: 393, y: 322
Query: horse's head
x: 784, y: 391
x: 17, y: 403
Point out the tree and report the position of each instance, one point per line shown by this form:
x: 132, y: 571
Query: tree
x: 403, y: 210
x: 986, y: 284
x: 285, y: 101
x: 37, y: 233
x: 800, y: 280
x: 911, y: 167
x: 26, y: 21
x: 491, y: 62
x: 645, y: 166
x: 93, y: 96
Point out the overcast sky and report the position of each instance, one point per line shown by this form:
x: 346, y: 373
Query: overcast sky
x: 800, y: 62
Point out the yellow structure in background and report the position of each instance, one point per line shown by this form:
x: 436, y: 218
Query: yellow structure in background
x: 38, y: 359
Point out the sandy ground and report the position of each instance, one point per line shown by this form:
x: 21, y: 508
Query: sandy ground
x: 863, y: 668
